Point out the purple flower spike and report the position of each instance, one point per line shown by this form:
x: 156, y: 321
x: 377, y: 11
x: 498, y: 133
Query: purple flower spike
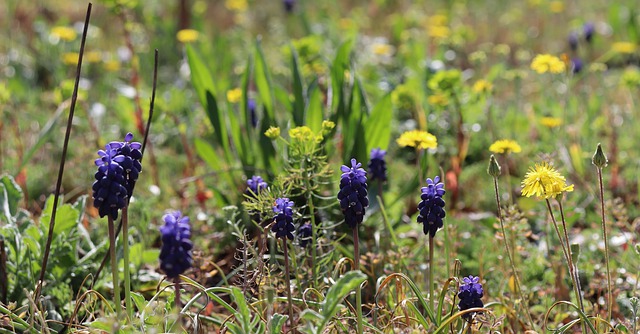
x: 109, y: 190
x: 378, y: 165
x: 353, y: 193
x: 431, y: 207
x: 283, y: 220
x: 470, y: 294
x: 175, y: 256
x: 255, y: 185
x: 304, y: 235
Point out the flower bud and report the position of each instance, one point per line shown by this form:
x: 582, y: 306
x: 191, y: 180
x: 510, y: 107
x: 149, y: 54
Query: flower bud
x: 599, y: 159
x: 494, y: 167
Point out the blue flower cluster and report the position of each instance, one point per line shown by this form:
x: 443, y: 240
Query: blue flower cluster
x: 353, y: 193
x: 283, y: 221
x: 377, y: 165
x: 304, y: 234
x: 118, y: 169
x: 431, y: 206
x: 175, y: 256
x: 470, y: 294
x: 255, y: 185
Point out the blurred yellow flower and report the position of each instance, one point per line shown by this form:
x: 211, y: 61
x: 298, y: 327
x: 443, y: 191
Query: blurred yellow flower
x: 70, y: 58
x: 272, y: 132
x: 438, y: 100
x: 236, y: 5
x: 64, y: 33
x: 505, y: 146
x: 543, y: 181
x: 438, y: 20
x: 551, y: 122
x: 437, y: 31
x: 234, y: 95
x: 112, y: 65
x: 547, y: 63
x: 623, y: 47
x: 382, y: 49
x: 482, y: 86
x: 187, y: 35
x: 418, y: 139
x: 556, y: 6
x: 630, y: 78
x: 93, y: 56
x: 597, y: 67
x: 327, y: 126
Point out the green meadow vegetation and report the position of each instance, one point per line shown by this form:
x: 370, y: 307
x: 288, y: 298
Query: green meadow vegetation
x: 296, y: 166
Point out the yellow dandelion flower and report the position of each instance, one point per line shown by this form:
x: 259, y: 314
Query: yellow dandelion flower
x: 70, y: 58
x: 272, y: 132
x: 505, y: 146
x: 438, y: 100
x: 417, y: 139
x: 382, y: 49
x: 236, y: 5
x: 482, y: 86
x: 187, y: 35
x: 556, y: 6
x: 543, y: 181
x: 64, y: 33
x: 547, y: 63
x: 438, y: 31
x: 551, y: 122
x: 234, y: 95
x: 623, y: 47
x: 112, y: 65
x: 93, y: 56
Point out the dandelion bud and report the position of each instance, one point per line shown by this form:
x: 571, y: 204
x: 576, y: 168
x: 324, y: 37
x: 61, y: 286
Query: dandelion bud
x: 494, y: 168
x: 599, y: 159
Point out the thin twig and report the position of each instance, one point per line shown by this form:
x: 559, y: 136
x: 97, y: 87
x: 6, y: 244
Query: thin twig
x: 74, y: 98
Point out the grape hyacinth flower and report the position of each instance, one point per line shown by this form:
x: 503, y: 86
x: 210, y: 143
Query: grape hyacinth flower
x: 283, y: 221
x: 377, y: 165
x: 470, y: 294
x: 251, y: 106
x: 255, y: 185
x: 304, y: 234
x: 431, y: 207
x: 175, y: 256
x: 588, y: 31
x: 109, y: 189
x: 573, y: 41
x: 576, y: 65
x: 289, y: 5
x: 353, y: 193
x: 131, y: 151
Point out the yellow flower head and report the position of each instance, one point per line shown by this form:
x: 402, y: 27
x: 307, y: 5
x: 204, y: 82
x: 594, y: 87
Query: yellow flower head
x: 236, y: 5
x: 438, y: 31
x: 187, y: 35
x: 327, y: 126
x: 547, y: 63
x: 556, y: 6
x: 505, y: 146
x: 304, y: 133
x: 234, y: 95
x: 93, y: 56
x: 112, y: 65
x: 382, y: 49
x: 543, y: 181
x: 551, y: 122
x: 417, y: 139
x: 438, y: 100
x: 64, y: 33
x: 272, y: 132
x: 70, y: 58
x: 624, y: 47
x: 482, y: 87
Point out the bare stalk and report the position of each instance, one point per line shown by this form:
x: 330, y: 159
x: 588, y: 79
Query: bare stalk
x: 606, y: 247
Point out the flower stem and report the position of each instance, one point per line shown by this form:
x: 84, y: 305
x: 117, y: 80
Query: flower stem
x: 606, y: 246
x: 431, y: 299
x: 525, y: 304
x: 125, y: 248
x: 114, y: 266
x: 287, y: 279
x: 356, y: 260
x: 74, y: 98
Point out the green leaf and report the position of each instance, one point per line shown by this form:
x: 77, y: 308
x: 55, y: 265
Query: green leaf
x: 298, y: 90
x: 139, y: 300
x: 377, y: 130
x: 315, y: 109
x: 339, y: 291
x: 201, y: 78
x: 276, y: 323
x: 43, y: 136
x: 242, y: 314
x: 208, y: 154
x: 263, y: 83
x: 66, y: 218
x: 338, y: 68
x: 10, y: 195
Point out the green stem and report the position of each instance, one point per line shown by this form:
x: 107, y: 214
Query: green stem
x: 431, y: 299
x: 125, y: 247
x: 287, y: 279
x: 356, y: 260
x: 525, y: 304
x: 114, y: 267
x: 606, y: 247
